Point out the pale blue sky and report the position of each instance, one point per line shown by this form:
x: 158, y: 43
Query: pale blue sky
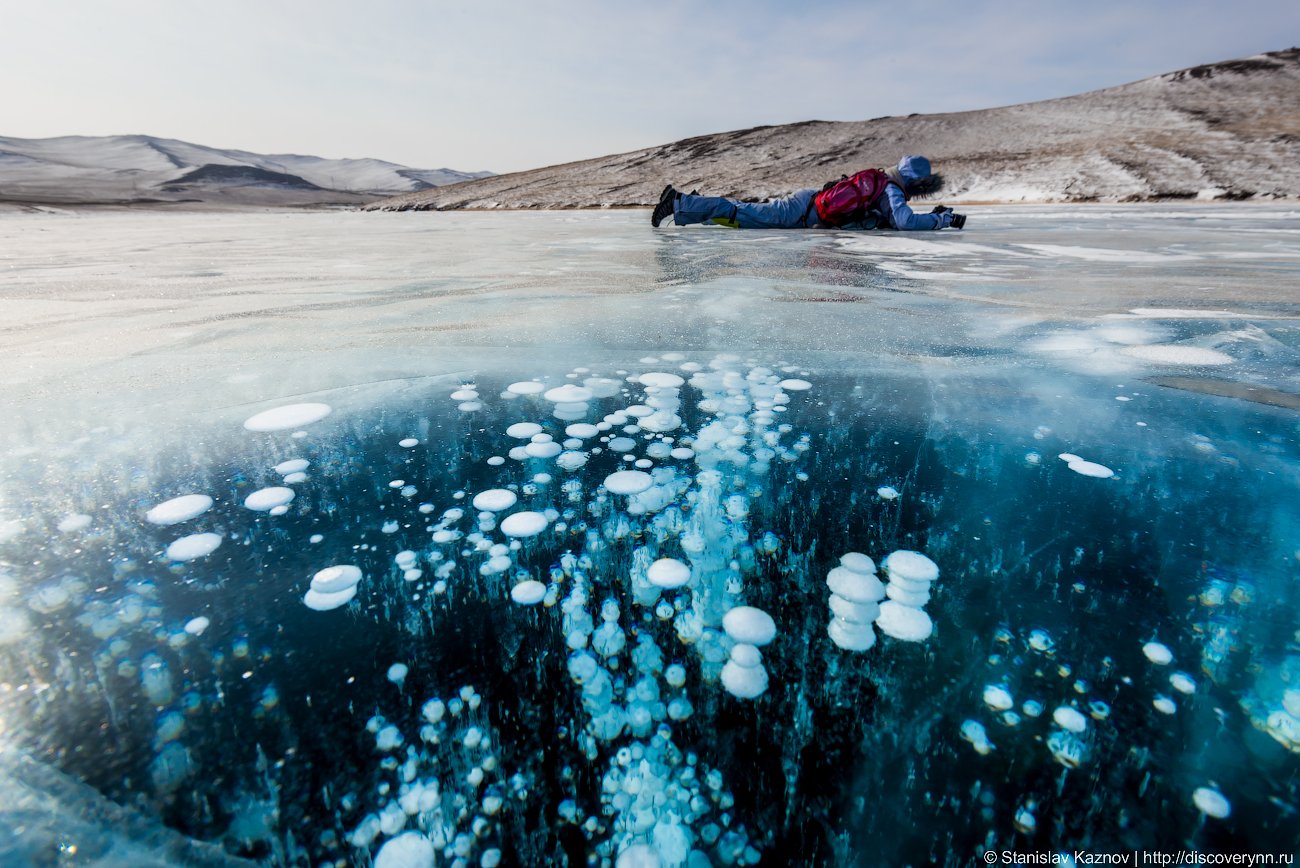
x: 503, y: 86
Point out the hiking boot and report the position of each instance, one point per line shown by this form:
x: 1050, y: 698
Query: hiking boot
x: 665, y: 207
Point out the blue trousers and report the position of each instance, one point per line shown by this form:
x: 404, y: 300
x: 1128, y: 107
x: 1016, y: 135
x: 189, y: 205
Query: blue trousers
x: 791, y: 212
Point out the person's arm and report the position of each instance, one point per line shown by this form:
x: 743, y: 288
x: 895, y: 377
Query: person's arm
x: 904, y: 217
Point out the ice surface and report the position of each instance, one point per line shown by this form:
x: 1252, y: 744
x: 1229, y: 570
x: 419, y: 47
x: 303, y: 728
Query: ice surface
x: 612, y: 713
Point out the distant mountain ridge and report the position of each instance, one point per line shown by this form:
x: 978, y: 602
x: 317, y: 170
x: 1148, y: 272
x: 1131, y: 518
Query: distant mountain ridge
x: 1228, y: 130
x: 138, y: 168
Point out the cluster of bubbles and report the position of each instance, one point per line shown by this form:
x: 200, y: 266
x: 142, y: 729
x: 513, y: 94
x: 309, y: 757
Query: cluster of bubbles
x: 445, y: 791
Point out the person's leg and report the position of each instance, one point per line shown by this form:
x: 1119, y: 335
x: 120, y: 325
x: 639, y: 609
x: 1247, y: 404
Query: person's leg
x: 788, y: 212
x: 690, y: 209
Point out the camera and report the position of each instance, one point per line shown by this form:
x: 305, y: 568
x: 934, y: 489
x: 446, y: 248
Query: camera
x: 958, y: 220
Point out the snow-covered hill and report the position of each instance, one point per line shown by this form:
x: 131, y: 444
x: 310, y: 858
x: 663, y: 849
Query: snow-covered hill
x: 129, y: 169
x: 1223, y: 130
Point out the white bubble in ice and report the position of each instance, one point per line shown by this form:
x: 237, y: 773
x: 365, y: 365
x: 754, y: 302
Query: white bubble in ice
x: 523, y: 430
x: 408, y: 442
x: 295, y: 478
x: 323, y: 602
x: 194, y: 546
x: 1211, y: 802
x: 1164, y: 704
x: 582, y: 430
x: 529, y: 592
x: 858, y: 613
x: 661, y: 380
x: 796, y: 385
x: 288, y: 416
x: 997, y: 697
x: 196, y: 626
x: 527, y: 387
x: 1182, y: 682
x: 337, y: 578
x: 1092, y: 469
x: 74, y: 522
x: 407, y: 850
x: 639, y: 856
x: 1158, y: 653
x: 179, y: 509
x: 749, y: 625
x: 850, y: 635
x: 543, y: 450
x: 858, y: 562
x: 265, y: 499
x: 523, y: 524
x: 494, y: 500
x: 293, y: 465
x: 887, y: 492
x: 856, y: 587
x: 904, y: 622
x: 628, y: 482
x: 973, y: 731
x: 571, y: 460
x: 668, y: 573
x: 744, y: 682
x: 622, y: 444
x: 568, y: 394
x: 397, y: 673
x: 910, y: 566
x: 902, y: 593
x: 1070, y: 718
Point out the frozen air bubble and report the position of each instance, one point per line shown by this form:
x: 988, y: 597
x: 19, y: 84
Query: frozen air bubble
x: 858, y: 613
x: 887, y: 492
x: 323, y: 602
x: 628, y: 482
x: 196, y: 626
x: 523, y: 430
x: 744, y: 682
x: 293, y: 465
x: 998, y: 698
x: 288, y: 416
x: 1211, y: 803
x: 528, y: 593
x: 295, y: 478
x: 904, y: 622
x: 407, y: 850
x: 568, y: 394
x: 668, y: 573
x: 408, y: 442
x: 900, y: 593
x: 1158, y: 653
x: 795, y: 385
x: 397, y: 674
x: 748, y: 625
x: 1070, y: 719
x: 1041, y: 640
x: 582, y: 430
x: 857, y: 562
x: 854, y: 586
x: 1182, y: 682
x: 267, y: 499
x: 523, y: 524
x: 527, y: 387
x: 494, y: 500
x: 543, y: 450
x: 337, y: 578
x: 910, y: 566
x: 194, y: 546
x: 851, y: 636
x: 179, y: 509
x: 1164, y: 704
x: 661, y: 380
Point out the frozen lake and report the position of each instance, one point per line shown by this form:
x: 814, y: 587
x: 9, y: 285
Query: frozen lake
x: 548, y: 538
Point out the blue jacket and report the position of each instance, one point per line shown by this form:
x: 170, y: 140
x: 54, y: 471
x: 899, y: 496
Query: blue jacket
x: 892, y: 204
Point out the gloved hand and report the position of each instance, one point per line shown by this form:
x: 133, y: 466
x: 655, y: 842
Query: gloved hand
x: 945, y: 218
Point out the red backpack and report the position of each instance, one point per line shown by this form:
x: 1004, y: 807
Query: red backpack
x: 847, y: 200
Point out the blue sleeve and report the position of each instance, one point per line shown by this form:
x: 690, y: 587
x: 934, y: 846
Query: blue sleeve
x: 903, y: 216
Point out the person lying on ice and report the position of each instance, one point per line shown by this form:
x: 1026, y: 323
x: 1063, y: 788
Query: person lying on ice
x: 871, y: 199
